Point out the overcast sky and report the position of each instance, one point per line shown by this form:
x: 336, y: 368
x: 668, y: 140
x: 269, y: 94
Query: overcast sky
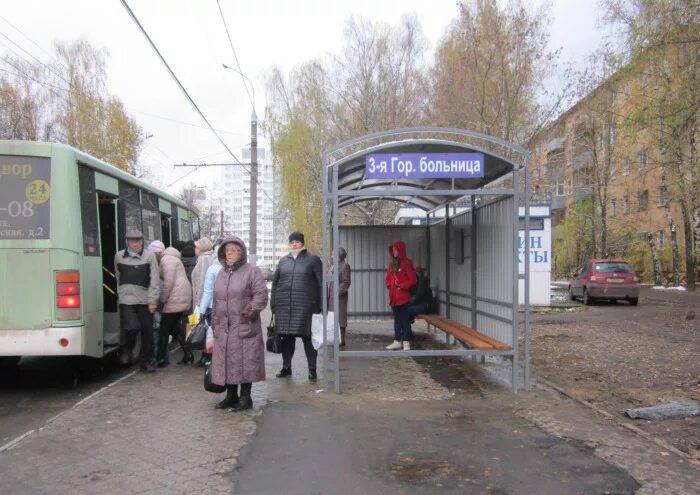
x: 191, y: 37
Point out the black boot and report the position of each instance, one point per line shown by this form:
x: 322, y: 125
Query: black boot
x: 245, y: 402
x: 202, y: 361
x: 284, y: 372
x: 187, y: 354
x: 231, y: 399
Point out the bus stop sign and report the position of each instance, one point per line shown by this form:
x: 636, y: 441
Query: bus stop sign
x: 424, y: 166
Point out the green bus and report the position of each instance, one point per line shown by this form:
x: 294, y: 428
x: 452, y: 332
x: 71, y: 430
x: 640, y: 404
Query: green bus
x: 63, y: 215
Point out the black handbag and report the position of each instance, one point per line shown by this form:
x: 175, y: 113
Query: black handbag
x: 208, y: 385
x: 273, y: 343
x: 198, y: 335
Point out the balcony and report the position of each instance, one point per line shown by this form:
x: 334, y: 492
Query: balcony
x: 582, y: 192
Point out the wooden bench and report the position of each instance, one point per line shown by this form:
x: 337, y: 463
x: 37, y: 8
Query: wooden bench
x: 465, y: 334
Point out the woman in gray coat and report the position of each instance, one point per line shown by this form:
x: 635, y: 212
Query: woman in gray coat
x: 240, y: 294
x: 344, y: 285
x: 297, y: 288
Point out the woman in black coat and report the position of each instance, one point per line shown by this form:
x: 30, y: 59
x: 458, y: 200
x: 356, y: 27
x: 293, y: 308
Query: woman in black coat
x: 296, y: 296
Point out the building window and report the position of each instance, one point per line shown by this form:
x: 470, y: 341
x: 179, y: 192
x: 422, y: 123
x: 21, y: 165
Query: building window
x: 625, y: 205
x: 561, y: 188
x: 613, y: 207
x: 626, y: 165
x: 661, y: 235
x: 661, y: 194
x: 642, y: 160
x: 643, y: 201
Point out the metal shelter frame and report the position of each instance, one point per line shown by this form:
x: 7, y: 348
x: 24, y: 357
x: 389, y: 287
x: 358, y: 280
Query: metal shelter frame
x: 344, y: 183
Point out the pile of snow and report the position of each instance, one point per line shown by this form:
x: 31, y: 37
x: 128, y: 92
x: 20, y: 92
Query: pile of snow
x: 661, y: 287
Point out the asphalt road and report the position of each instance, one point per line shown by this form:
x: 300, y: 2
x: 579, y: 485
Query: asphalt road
x: 39, y: 388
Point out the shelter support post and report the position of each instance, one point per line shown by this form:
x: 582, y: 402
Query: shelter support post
x: 516, y: 283
x: 447, y: 268
x: 336, y: 284
x: 324, y: 259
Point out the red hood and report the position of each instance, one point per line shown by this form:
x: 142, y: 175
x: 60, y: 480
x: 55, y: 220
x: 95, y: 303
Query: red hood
x: 400, y: 247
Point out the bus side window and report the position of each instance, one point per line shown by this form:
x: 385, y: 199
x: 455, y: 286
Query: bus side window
x: 88, y: 210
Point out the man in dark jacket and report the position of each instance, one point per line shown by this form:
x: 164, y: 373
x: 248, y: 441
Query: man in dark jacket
x: 296, y: 296
x: 138, y: 286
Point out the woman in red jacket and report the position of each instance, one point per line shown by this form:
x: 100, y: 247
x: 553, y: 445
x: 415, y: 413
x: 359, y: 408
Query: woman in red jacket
x: 400, y: 277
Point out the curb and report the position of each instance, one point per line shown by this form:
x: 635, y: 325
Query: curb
x: 629, y: 427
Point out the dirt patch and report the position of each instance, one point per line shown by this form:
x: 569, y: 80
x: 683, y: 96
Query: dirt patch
x: 618, y: 357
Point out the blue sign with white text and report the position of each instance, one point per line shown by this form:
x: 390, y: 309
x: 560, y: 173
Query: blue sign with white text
x: 424, y: 166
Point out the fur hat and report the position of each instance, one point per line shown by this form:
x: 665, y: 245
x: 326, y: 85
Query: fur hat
x: 296, y: 236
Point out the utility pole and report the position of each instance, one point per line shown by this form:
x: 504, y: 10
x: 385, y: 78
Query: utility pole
x: 222, y: 224
x: 253, y: 233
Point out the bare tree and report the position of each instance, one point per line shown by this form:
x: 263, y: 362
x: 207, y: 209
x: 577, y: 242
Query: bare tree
x: 488, y: 69
x: 377, y: 82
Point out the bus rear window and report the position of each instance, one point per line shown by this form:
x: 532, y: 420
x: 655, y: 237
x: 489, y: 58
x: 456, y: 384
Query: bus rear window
x: 25, y: 197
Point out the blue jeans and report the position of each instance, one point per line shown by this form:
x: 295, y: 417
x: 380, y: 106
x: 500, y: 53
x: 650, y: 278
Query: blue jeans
x: 402, y: 323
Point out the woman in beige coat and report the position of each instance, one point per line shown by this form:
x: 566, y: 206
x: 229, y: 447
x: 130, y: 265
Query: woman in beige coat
x: 175, y: 299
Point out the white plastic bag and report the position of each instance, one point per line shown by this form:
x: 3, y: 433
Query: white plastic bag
x: 317, y: 329
x: 209, y: 342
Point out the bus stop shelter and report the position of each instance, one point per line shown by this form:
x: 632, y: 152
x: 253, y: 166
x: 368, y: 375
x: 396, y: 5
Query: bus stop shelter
x: 470, y: 186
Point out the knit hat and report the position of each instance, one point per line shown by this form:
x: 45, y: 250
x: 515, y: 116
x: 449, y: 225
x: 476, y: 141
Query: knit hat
x: 296, y: 236
x: 134, y: 234
x: 156, y: 247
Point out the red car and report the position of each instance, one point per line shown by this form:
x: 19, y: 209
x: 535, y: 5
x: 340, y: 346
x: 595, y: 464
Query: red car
x: 605, y: 279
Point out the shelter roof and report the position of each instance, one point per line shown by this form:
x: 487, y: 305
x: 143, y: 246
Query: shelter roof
x: 349, y: 159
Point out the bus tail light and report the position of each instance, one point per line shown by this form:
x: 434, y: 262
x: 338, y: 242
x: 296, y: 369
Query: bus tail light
x: 68, y: 295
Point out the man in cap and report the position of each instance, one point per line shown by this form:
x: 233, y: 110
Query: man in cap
x: 295, y: 297
x: 138, y: 283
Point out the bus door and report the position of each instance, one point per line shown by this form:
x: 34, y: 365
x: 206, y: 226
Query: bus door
x: 165, y: 229
x: 108, y: 240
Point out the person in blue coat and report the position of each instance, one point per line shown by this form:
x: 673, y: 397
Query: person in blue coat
x: 205, y: 303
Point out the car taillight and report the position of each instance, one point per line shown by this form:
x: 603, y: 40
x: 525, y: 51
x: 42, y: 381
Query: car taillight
x: 68, y: 295
x: 595, y: 278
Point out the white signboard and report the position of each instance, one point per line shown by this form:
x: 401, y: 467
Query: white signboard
x: 540, y: 255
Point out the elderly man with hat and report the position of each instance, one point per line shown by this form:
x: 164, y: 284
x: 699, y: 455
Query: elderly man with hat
x: 138, y: 287
x: 297, y: 288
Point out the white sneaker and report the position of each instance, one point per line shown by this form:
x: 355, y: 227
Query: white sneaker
x: 394, y: 346
x: 406, y: 345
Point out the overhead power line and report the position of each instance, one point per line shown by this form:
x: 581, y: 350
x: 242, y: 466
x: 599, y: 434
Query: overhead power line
x: 235, y: 57
x: 189, y: 98
x: 177, y: 81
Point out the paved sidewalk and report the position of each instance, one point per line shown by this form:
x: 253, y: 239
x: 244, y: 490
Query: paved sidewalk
x: 429, y: 425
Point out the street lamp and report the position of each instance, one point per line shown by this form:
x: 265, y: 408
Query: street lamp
x: 246, y: 82
x: 253, y: 230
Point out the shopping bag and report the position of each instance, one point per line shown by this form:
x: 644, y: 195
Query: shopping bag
x: 317, y: 329
x: 198, y: 335
x: 208, y: 385
x: 273, y: 343
x: 209, y: 343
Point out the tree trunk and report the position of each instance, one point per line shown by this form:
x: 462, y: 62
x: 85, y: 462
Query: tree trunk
x: 689, y: 254
x: 654, y: 259
x: 676, y: 263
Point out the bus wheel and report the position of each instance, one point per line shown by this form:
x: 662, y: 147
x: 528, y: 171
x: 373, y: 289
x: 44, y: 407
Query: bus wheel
x: 9, y: 361
x: 130, y: 355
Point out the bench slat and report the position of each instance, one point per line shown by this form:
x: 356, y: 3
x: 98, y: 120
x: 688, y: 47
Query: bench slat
x: 468, y: 335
